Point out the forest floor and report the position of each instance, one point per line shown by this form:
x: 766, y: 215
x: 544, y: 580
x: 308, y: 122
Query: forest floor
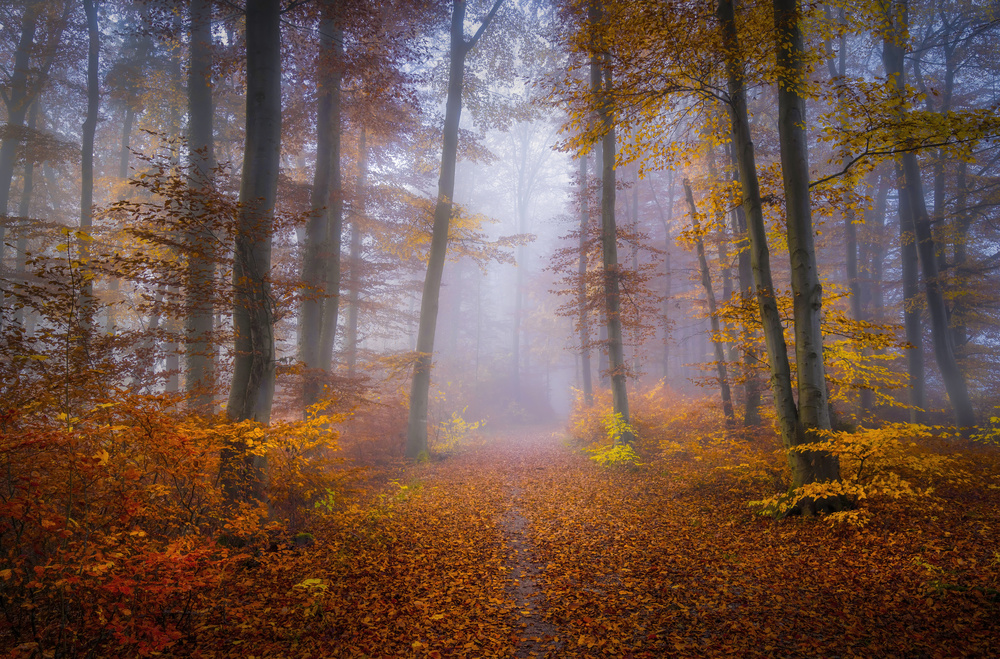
x: 523, y: 547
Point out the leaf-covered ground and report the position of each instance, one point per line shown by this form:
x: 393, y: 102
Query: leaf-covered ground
x: 523, y: 547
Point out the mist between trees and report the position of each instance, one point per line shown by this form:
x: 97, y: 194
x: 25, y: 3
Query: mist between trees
x: 285, y: 234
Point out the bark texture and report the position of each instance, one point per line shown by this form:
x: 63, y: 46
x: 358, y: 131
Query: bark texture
x: 807, y: 293
x: 253, y: 316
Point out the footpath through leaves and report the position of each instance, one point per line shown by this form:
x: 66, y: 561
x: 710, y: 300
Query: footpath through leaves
x: 524, y: 547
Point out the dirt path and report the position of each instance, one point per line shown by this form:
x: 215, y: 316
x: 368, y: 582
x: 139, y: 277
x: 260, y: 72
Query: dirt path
x: 535, y: 636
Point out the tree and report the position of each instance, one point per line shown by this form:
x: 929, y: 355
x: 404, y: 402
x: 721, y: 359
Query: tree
x: 252, y: 385
x: 713, y: 312
x: 416, y: 428
x: 807, y: 466
x: 200, y: 297
x: 321, y: 261
x: 602, y: 86
x: 941, y: 332
x: 87, y: 161
x: 807, y: 293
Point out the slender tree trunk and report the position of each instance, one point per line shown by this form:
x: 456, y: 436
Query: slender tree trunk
x: 331, y: 301
x: 23, y: 214
x: 892, y: 58
x: 416, y: 429
x: 125, y: 150
x: 752, y: 385
x: 837, y: 68
x: 317, y: 247
x: 609, y: 237
x: 17, y: 107
x: 354, y: 257
x: 199, y: 321
x: 911, y: 302
x: 760, y: 260
x: 963, y: 222
x: 954, y: 379
x: 581, y: 292
x: 807, y: 293
x: 253, y: 318
x: 87, y: 161
x: 713, y: 312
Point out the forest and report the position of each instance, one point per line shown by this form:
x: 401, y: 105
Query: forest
x: 499, y: 328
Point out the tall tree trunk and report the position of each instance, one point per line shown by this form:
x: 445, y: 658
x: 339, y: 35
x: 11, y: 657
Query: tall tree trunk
x: 200, y: 297
x: 752, y: 385
x: 87, y: 161
x: 665, y: 219
x: 416, y: 429
x: 331, y: 299
x: 912, y: 325
x: 713, y: 315
x: 583, y: 319
x: 892, y: 59
x: 316, y: 253
x: 927, y: 249
x: 23, y: 213
x: 963, y: 223
x: 807, y: 293
x: 954, y: 379
x: 253, y: 318
x: 803, y: 470
x: 17, y: 108
x: 609, y: 236
x: 354, y: 257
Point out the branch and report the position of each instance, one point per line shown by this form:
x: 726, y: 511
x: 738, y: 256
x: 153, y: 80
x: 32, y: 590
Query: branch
x: 471, y: 43
x: 890, y: 152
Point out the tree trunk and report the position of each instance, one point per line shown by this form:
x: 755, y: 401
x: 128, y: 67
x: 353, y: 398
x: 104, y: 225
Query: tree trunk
x: 752, y: 385
x: 331, y: 299
x: 760, y: 260
x: 963, y: 222
x: 803, y: 470
x: 609, y: 237
x: 926, y: 247
x: 199, y: 295
x: 807, y: 293
x: 17, y: 108
x: 706, y: 281
x: 253, y: 366
x: 23, y: 213
x: 416, y: 429
x: 954, y: 379
x: 581, y: 292
x: 837, y: 68
x: 911, y: 303
x: 892, y: 59
x: 87, y: 162
x: 317, y: 246
x: 354, y: 258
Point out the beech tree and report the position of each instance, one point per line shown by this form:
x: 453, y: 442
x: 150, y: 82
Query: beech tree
x: 252, y: 387
x: 200, y: 311
x: 916, y: 212
x: 416, y: 429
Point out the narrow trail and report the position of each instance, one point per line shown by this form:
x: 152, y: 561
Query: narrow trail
x: 535, y: 636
